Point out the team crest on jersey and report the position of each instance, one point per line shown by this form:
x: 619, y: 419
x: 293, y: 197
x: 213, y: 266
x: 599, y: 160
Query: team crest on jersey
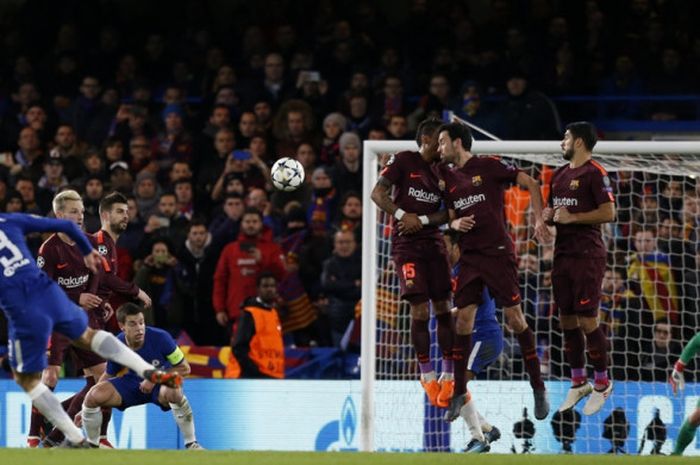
x: 573, y: 185
x: 476, y: 180
x: 441, y: 184
x: 40, y: 262
x: 409, y: 283
x: 102, y: 249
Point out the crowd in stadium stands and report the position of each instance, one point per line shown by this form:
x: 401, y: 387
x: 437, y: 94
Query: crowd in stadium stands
x: 186, y: 120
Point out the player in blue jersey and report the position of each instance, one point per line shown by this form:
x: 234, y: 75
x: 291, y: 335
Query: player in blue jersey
x: 487, y: 340
x: 123, y: 389
x: 35, y: 306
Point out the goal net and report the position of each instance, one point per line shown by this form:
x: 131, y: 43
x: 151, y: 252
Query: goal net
x: 649, y: 310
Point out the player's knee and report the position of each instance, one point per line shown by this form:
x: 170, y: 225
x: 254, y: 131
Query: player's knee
x: 420, y: 311
x: 50, y: 376
x: 96, y: 396
x: 85, y: 339
x: 694, y: 418
x: 515, y: 319
x: 464, y: 323
x: 588, y: 324
x: 441, y: 307
x: 568, y: 322
x: 27, y: 381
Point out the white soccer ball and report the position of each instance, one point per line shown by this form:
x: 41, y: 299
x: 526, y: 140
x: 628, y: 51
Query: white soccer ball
x: 287, y: 174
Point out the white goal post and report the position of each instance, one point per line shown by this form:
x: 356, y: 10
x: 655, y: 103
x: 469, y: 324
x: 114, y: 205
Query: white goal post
x: 681, y: 158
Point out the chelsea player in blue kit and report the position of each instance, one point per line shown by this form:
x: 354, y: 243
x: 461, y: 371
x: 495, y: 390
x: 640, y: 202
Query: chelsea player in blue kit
x: 123, y: 389
x: 487, y: 344
x: 35, y: 306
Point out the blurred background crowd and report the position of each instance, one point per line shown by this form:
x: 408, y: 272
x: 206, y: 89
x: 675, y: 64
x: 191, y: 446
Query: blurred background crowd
x: 184, y: 107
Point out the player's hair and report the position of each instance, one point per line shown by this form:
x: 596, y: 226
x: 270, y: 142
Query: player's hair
x: 65, y: 125
x: 182, y: 181
x: 127, y: 309
x: 252, y: 211
x: 585, y: 131
x: 232, y: 195
x: 197, y: 222
x: 458, y: 131
x: 59, y: 201
x: 109, y: 200
x: 266, y: 274
x: 347, y: 196
x: 219, y: 106
x: 427, y: 127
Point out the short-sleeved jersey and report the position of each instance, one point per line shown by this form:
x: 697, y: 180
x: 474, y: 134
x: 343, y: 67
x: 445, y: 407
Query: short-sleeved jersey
x: 580, y: 189
x: 64, y: 263
x: 416, y: 190
x: 16, y: 262
x: 478, y: 189
x: 159, y: 349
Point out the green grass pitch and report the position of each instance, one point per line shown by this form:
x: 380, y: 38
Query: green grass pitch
x: 158, y: 457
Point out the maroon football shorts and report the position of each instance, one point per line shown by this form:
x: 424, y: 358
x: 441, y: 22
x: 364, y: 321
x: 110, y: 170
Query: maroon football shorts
x: 576, y: 284
x: 497, y: 272
x: 61, y: 345
x: 423, y: 270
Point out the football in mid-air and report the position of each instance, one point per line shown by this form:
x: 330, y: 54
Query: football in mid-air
x: 287, y: 174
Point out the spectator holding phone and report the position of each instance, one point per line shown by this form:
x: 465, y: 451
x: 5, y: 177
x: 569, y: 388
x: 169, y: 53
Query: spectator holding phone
x: 240, y: 264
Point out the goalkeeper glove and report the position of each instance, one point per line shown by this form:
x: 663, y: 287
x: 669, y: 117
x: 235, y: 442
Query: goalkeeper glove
x: 677, y: 381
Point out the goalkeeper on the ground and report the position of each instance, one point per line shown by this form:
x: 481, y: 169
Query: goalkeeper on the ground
x: 687, y: 432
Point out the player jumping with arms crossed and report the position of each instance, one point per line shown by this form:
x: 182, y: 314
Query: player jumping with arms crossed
x: 474, y: 191
x: 419, y: 253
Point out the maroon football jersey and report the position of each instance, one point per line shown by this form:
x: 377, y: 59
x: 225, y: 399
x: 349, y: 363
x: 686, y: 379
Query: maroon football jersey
x: 580, y: 189
x: 416, y: 190
x: 64, y: 264
x: 108, y: 280
x: 477, y: 189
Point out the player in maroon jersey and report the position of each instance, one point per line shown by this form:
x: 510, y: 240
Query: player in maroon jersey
x: 97, y: 289
x: 581, y: 200
x: 419, y: 254
x: 114, y: 216
x: 474, y: 191
x: 61, y: 259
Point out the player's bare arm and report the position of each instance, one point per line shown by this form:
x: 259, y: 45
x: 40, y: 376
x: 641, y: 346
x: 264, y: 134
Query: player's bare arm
x: 144, y: 298
x: 381, y: 196
x: 463, y: 224
x: 89, y: 301
x: 528, y: 182
x: 605, y: 213
x: 548, y: 216
x: 182, y: 368
x: 412, y: 223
